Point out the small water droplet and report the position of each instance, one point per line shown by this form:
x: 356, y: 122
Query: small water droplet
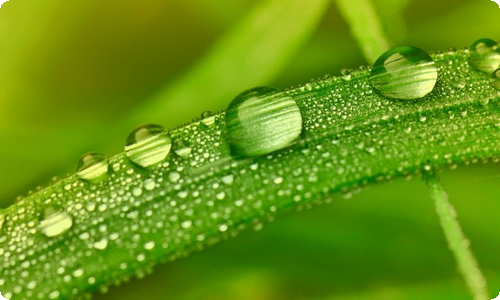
x: 485, y: 55
x: 459, y: 82
x: 54, y: 295
x: 262, y: 120
x: 149, y: 245
x: 174, y: 176
x: 182, y: 148
x: 223, y: 227
x: 149, y: 184
x: 186, y: 224
x: 55, y: 221
x: 495, y: 79
x: 148, y: 145
x: 136, y: 191
x: 92, y: 166
x: 404, y: 72
x: 228, y: 179
x: 101, y: 244
x: 346, y: 74
x: 207, y: 118
x: 78, y: 272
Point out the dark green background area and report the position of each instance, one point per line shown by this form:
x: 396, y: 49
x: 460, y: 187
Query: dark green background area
x: 71, y: 71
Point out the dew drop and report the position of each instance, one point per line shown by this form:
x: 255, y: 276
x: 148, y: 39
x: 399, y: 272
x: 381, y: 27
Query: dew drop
x: 485, y: 55
x: 495, y: 80
x: 228, y: 179
x: 459, y: 82
x: 92, y: 166
x: 148, y: 145
x: 149, y: 184
x: 207, y: 118
x: 262, y: 120
x: 101, y: 244
x: 136, y: 191
x: 182, y: 148
x: 149, y: 245
x: 54, y: 295
x: 404, y: 72
x: 186, y: 224
x: 55, y: 222
x: 174, y: 176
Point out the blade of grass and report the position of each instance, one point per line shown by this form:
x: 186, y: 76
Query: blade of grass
x: 365, y: 26
x: 124, y: 225
x: 457, y: 242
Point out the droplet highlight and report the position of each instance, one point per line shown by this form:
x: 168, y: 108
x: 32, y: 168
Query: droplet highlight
x: 262, y: 120
x: 485, y: 55
x: 92, y: 166
x: 55, y: 222
x: 148, y: 145
x: 404, y: 72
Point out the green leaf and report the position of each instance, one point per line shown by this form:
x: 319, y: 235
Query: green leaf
x: 123, y: 225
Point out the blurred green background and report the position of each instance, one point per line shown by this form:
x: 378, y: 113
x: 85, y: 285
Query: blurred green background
x: 77, y: 76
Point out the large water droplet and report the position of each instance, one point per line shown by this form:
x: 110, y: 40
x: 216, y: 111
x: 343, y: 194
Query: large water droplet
x: 404, y: 72
x: 485, y: 55
x: 262, y: 120
x: 495, y: 79
x: 55, y: 221
x: 92, y: 166
x: 148, y: 145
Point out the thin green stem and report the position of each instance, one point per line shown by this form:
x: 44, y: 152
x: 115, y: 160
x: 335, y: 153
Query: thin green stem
x: 365, y: 26
x: 457, y: 242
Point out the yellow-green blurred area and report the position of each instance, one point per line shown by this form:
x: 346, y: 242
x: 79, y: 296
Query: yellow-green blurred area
x: 77, y: 76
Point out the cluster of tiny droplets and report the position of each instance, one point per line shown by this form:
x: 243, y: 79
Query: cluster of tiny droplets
x: 77, y: 236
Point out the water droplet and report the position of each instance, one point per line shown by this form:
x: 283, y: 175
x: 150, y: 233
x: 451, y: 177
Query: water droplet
x: 228, y: 179
x: 207, y: 118
x: 459, y: 82
x: 78, y: 272
x: 149, y: 184
x: 182, y: 148
x: 174, y: 176
x: 149, y: 245
x: 101, y: 244
x: 495, y: 79
x: 262, y: 120
x: 485, y: 55
x: 55, y: 221
x: 54, y: 295
x: 148, y: 145
x: 136, y: 191
x: 404, y: 72
x: 186, y: 224
x: 92, y: 166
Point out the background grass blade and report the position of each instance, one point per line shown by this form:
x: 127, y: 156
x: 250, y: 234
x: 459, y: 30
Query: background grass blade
x: 365, y: 27
x: 457, y: 242
x: 252, y: 53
